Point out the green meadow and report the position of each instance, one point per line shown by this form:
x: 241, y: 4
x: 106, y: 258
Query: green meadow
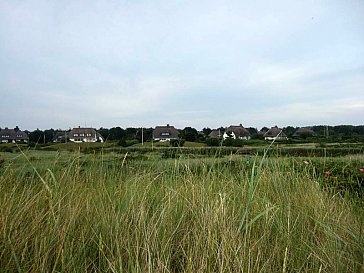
x: 108, y: 209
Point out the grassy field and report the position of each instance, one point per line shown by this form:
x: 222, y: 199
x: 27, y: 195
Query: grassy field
x: 63, y: 211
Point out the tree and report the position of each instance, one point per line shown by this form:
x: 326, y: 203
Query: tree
x: 104, y: 132
x: 116, y: 133
x: 206, y: 131
x: 48, y: 135
x: 36, y: 136
x: 131, y: 133
x: 189, y: 134
x: 289, y: 130
x: 147, y: 134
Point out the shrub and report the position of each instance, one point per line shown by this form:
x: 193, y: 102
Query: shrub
x: 32, y: 144
x: 230, y: 142
x: 177, y: 142
x: 213, y: 141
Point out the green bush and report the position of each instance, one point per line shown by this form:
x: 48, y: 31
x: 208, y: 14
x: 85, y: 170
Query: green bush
x: 32, y: 144
x: 230, y: 142
x: 213, y: 141
x: 177, y: 142
x: 6, y: 149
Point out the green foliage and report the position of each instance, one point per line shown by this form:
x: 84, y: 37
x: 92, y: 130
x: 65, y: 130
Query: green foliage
x: 122, y: 143
x: 36, y: 136
x: 32, y: 144
x: 289, y: 130
x: 189, y: 134
x: 179, y: 142
x: 206, y: 131
x: 6, y: 149
x: 230, y: 142
x: 71, y: 212
x: 126, y: 143
x: 211, y: 141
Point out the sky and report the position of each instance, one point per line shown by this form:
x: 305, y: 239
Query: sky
x: 136, y: 63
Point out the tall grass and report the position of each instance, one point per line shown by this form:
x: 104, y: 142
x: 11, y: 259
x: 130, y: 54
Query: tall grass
x: 112, y: 214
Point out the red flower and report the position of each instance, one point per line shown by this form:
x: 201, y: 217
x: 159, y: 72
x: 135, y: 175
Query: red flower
x: 327, y: 172
x: 361, y: 170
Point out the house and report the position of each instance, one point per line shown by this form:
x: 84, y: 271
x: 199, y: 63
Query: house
x: 216, y: 133
x: 13, y: 135
x: 236, y: 132
x: 61, y: 136
x: 84, y: 135
x: 275, y: 133
x: 263, y: 131
x: 304, y: 132
x: 165, y: 133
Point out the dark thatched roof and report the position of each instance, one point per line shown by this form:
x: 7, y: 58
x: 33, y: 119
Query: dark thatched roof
x: 304, y: 131
x: 165, y: 132
x: 216, y: 134
x: 87, y: 133
x: 239, y: 131
x: 274, y: 132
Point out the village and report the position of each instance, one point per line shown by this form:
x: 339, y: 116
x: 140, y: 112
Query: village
x: 166, y: 133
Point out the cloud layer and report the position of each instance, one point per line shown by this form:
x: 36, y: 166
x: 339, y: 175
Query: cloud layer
x: 187, y: 63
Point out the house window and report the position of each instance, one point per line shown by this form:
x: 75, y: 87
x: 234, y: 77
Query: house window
x: 75, y: 134
x: 6, y: 136
x: 82, y: 134
x: 88, y: 134
x: 165, y: 134
x: 19, y: 136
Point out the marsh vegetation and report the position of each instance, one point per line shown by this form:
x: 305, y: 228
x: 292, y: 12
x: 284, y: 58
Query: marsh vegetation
x: 103, y: 211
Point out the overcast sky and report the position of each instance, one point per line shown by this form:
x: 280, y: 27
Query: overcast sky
x: 187, y: 63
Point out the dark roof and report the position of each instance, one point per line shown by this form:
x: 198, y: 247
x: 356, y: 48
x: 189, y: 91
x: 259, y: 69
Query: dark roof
x: 15, y: 134
x: 239, y: 131
x: 85, y: 131
x: 274, y: 132
x: 304, y: 131
x: 165, y: 132
x: 216, y: 133
x: 263, y: 131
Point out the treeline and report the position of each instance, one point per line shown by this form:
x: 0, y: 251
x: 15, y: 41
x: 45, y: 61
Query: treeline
x: 331, y: 133
x: 349, y: 133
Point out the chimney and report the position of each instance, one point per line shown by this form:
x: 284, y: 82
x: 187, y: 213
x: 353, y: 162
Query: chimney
x: 167, y: 125
x: 16, y: 128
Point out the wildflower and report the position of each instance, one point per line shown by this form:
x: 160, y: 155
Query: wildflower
x: 361, y: 170
x: 288, y: 172
x: 306, y: 162
x: 327, y: 172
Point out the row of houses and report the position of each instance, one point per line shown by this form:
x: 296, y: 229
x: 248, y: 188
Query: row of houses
x: 75, y: 135
x: 166, y: 133
x: 13, y: 135
x: 160, y: 133
x: 239, y: 132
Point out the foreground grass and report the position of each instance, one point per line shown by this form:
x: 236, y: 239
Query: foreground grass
x: 114, y: 214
